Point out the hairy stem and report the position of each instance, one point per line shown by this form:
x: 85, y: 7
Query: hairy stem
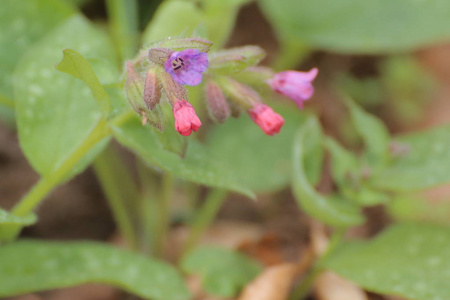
x: 204, y: 218
x: 120, y: 191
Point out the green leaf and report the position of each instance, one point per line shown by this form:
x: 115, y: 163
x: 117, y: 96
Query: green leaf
x: 423, y: 164
x: 373, y: 132
x: 76, y: 65
x: 409, y: 260
x: 55, y: 111
x: 199, y: 165
x: 361, y: 27
x: 330, y: 210
x: 224, y: 272
x: 414, y: 207
x: 262, y: 162
x: 212, y: 19
x: 31, y: 266
x: 21, y: 24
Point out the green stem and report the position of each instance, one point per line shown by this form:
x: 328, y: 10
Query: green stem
x: 149, y: 183
x: 120, y: 191
x: 206, y: 215
x: 303, y: 289
x: 7, y: 102
x: 123, y: 20
x: 47, y: 183
x: 163, y: 213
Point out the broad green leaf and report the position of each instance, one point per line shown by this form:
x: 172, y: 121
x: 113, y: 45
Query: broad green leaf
x: 224, y: 272
x: 262, y: 162
x: 424, y: 162
x: 211, y: 19
x: 31, y: 266
x: 21, y: 24
x: 413, y: 207
x: 76, y: 65
x: 361, y: 27
x: 55, y: 111
x: 408, y: 260
x: 374, y: 134
x: 199, y: 165
x: 331, y: 210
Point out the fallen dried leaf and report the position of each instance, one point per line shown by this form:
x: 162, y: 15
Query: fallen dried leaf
x: 272, y: 284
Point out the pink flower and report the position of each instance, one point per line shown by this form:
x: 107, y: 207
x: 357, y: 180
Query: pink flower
x: 185, y: 118
x: 186, y: 67
x: 269, y: 121
x: 294, y: 84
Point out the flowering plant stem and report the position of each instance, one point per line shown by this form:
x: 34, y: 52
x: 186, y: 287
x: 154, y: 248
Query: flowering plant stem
x: 205, y: 216
x: 47, y: 183
x: 302, y: 290
x: 166, y: 194
x: 123, y: 22
x: 120, y: 191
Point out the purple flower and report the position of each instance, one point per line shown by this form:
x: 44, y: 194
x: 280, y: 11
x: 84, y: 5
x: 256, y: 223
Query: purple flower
x: 186, y: 66
x: 294, y: 84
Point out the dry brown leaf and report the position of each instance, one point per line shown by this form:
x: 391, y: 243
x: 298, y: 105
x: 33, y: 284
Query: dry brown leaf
x: 330, y: 286
x: 272, y: 284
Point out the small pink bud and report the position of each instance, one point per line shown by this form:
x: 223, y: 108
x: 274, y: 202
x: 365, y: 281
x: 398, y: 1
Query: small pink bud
x: 185, y: 118
x: 269, y: 121
x: 294, y: 84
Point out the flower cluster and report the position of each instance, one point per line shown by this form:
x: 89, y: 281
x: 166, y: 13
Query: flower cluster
x: 168, y: 66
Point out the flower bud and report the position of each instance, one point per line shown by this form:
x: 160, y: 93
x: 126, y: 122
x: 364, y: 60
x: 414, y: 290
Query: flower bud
x: 134, y: 88
x: 269, y: 121
x: 173, y: 90
x: 159, y: 55
x: 243, y: 95
x: 236, y: 59
x: 186, y: 119
x: 152, y: 90
x: 217, y: 104
x: 180, y: 44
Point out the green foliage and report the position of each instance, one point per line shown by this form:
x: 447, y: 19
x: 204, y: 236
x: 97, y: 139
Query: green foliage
x: 412, y: 207
x: 223, y: 272
x: 374, y: 134
x: 76, y: 65
x: 332, y: 210
x: 361, y: 27
x: 422, y: 162
x: 21, y: 24
x: 264, y: 162
x: 211, y: 19
x: 31, y: 266
x: 55, y: 111
x: 199, y: 165
x: 409, y: 260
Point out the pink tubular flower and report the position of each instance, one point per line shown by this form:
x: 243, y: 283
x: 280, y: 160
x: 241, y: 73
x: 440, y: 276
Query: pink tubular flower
x: 294, y: 84
x: 186, y: 66
x: 269, y: 121
x: 185, y: 118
